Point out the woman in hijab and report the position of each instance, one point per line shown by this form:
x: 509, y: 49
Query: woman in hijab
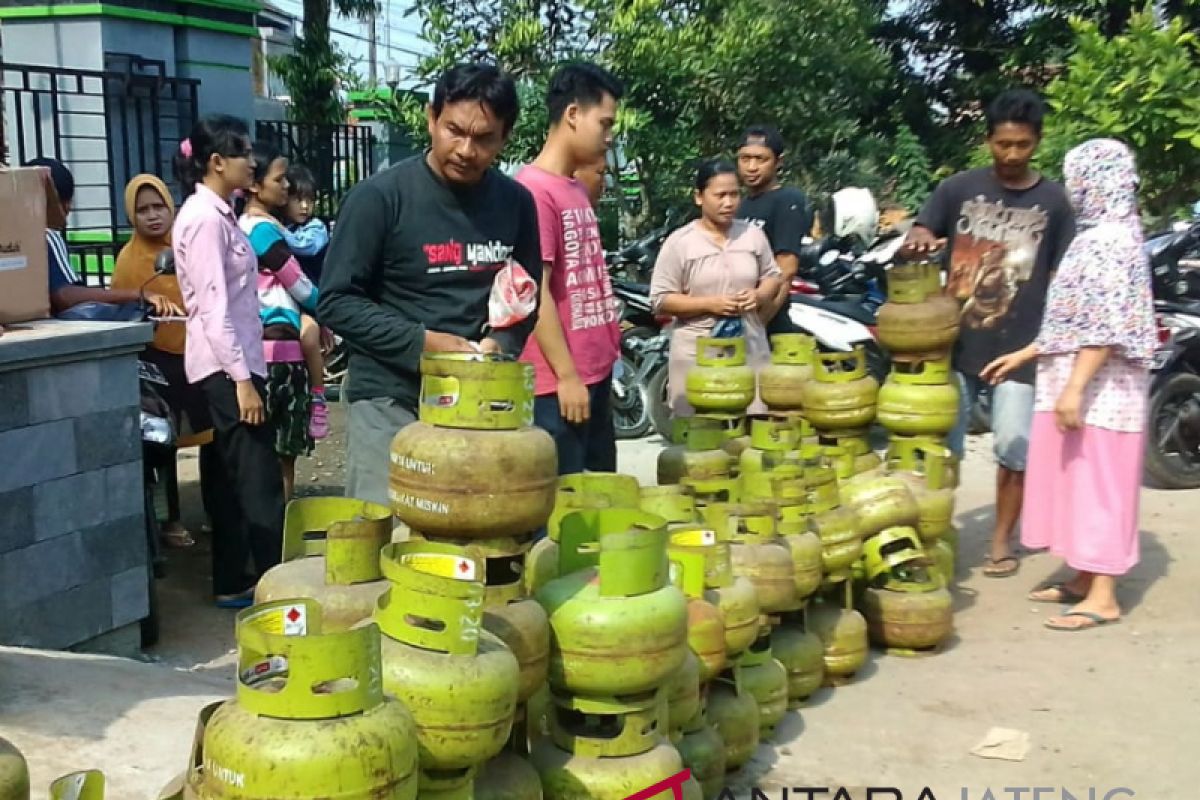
x: 151, y: 210
x: 712, y: 271
x: 1093, y: 355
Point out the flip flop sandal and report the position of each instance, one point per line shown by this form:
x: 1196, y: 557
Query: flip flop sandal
x: 1062, y: 595
x: 1095, y: 621
x: 178, y: 539
x: 995, y: 570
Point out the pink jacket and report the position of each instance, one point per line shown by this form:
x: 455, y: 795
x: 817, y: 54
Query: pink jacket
x: 218, y: 274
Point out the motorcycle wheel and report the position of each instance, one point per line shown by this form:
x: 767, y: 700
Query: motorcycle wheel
x: 631, y: 417
x: 656, y: 398
x: 1173, y: 440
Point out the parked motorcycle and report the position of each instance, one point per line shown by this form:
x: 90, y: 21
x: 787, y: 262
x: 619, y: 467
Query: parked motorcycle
x: 158, y: 431
x: 634, y: 262
x: 1173, y: 434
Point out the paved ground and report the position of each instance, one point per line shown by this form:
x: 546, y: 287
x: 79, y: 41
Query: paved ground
x: 1104, y: 709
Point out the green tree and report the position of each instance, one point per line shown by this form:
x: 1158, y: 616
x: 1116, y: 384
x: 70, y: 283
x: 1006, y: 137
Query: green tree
x: 1138, y: 86
x: 695, y: 74
x: 312, y: 71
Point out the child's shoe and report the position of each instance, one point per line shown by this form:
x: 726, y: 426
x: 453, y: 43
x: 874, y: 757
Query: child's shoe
x: 318, y: 417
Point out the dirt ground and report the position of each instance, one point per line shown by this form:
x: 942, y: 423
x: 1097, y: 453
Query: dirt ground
x: 1107, y: 709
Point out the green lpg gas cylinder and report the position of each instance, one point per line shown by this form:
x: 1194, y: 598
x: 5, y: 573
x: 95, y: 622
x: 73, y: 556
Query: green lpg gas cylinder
x: 508, y: 776
x: 843, y: 632
x: 331, y: 551
x: 770, y: 438
x: 474, y: 466
x: 802, y: 656
x: 460, y: 681
x: 919, y: 398
x: 734, y: 597
x: 14, y: 772
x: 767, y: 681
x: 605, y: 747
x: 720, y: 381
x: 841, y: 395
x: 703, y: 752
x: 781, y: 383
x: 310, y: 717
x: 706, y: 623
x: 617, y: 625
x: 733, y: 712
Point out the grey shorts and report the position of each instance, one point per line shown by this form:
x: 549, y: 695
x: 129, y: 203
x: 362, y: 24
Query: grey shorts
x: 1012, y: 418
x: 371, y: 426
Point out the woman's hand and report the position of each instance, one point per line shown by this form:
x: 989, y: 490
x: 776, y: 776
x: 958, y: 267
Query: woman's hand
x: 163, y: 306
x: 1068, y: 411
x: 749, y: 300
x: 725, y: 306
x: 999, y: 370
x: 250, y: 404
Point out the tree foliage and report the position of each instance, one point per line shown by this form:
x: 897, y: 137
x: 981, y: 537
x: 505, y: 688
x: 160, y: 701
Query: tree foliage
x: 695, y: 74
x: 315, y: 67
x: 1139, y: 86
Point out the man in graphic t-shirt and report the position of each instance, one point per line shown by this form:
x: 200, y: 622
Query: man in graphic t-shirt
x: 577, y: 338
x: 412, y: 261
x: 1005, y: 227
x: 782, y: 212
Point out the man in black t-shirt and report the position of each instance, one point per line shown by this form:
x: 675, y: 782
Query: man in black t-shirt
x: 782, y: 212
x: 413, y: 257
x: 1006, y: 228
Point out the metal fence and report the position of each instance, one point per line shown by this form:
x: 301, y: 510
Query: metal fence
x: 106, y: 126
x: 338, y: 156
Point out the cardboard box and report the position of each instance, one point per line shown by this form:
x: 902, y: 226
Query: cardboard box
x: 24, y: 279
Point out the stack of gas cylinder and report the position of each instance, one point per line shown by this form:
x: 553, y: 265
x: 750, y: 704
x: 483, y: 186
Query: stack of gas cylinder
x: 473, y: 480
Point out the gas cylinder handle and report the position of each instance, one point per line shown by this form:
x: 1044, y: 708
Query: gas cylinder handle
x: 436, y: 598
x: 307, y: 519
x: 88, y: 785
x: 712, y: 352
x: 935, y: 457
x: 687, y: 569
x: 793, y: 348
x: 352, y: 548
x: 824, y: 366
x: 327, y: 675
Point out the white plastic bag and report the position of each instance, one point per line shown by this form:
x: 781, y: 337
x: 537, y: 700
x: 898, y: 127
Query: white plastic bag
x: 513, y: 298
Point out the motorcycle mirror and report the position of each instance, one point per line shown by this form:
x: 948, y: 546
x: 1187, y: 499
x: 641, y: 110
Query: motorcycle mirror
x: 164, y: 262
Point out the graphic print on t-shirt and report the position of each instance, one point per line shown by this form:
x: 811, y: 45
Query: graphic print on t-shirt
x: 455, y: 256
x: 994, y: 251
x: 589, y: 294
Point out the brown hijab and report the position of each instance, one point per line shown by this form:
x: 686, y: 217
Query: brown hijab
x: 135, y: 263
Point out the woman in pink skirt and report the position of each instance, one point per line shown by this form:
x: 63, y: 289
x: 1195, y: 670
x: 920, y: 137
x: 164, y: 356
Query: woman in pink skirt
x: 1093, y: 365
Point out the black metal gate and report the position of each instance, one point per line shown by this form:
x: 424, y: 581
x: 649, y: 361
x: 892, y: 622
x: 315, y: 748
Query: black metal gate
x: 106, y: 126
x: 339, y: 156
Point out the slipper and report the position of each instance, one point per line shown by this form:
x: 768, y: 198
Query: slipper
x: 1094, y: 621
x: 1055, y: 593
x: 178, y: 539
x: 235, y: 601
x: 995, y: 570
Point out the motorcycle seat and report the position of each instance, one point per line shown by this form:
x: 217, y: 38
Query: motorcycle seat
x: 845, y: 308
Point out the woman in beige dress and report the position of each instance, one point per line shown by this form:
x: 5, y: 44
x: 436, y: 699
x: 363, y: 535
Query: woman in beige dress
x: 711, y: 269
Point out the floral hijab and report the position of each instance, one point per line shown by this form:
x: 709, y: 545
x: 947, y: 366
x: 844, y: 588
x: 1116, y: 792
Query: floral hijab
x: 1101, y: 294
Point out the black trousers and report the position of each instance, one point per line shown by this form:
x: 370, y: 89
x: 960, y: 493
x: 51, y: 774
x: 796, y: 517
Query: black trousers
x: 247, y: 493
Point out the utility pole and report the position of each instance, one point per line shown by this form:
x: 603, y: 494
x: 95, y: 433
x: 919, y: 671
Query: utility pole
x: 372, y: 54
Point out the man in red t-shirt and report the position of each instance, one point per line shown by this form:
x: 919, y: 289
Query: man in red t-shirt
x: 577, y: 338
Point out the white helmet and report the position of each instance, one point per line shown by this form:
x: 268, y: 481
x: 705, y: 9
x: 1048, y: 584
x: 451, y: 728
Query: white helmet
x: 854, y: 213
